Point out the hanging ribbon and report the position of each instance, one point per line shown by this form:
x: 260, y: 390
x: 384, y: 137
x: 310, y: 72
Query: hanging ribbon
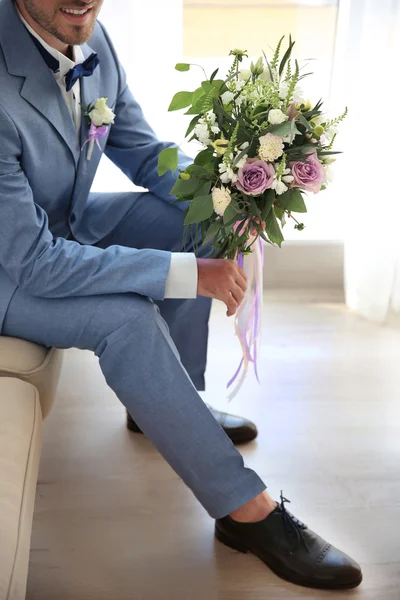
x: 248, y: 315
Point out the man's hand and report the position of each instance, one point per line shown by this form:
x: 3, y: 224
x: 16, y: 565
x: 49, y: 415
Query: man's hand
x: 222, y: 279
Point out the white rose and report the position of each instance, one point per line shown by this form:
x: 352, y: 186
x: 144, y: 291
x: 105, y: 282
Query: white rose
x: 276, y: 116
x: 221, y: 199
x: 244, y: 74
x: 101, y: 113
x: 227, y: 97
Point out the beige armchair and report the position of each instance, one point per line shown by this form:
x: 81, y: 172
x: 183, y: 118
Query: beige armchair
x: 29, y: 377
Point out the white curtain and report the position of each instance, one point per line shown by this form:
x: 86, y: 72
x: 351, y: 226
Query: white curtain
x: 148, y: 37
x: 366, y: 78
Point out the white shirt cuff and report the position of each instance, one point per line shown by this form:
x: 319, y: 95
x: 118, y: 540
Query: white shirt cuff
x: 182, y: 277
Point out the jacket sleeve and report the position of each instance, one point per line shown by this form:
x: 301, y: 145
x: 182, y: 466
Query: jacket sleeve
x: 133, y: 146
x: 54, y: 267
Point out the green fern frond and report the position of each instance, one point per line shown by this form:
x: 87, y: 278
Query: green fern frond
x: 332, y: 142
x: 293, y: 83
x: 288, y: 70
x: 338, y: 119
x: 231, y: 143
x: 275, y: 59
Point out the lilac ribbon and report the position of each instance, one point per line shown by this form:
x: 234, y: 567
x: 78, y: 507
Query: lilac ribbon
x: 253, y: 321
x: 95, y: 133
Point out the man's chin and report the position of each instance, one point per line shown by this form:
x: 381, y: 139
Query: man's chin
x: 76, y: 36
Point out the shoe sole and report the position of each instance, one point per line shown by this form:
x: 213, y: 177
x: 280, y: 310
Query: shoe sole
x: 231, y: 543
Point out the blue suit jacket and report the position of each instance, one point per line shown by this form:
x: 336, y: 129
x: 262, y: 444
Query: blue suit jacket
x: 45, y: 179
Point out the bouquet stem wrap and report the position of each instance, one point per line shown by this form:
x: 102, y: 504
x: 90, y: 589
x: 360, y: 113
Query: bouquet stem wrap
x: 248, y: 316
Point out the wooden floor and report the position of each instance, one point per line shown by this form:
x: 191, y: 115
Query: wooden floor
x: 113, y: 521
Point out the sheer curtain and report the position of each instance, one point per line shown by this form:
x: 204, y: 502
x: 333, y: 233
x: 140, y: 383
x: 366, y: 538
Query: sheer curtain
x: 366, y: 79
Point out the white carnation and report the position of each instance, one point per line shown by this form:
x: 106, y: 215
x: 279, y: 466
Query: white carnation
x: 221, y: 199
x: 271, y: 147
x: 276, y: 116
x: 227, y: 97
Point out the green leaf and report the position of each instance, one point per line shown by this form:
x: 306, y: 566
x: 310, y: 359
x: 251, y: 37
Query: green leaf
x: 280, y: 214
x: 197, y: 171
x: 182, y: 67
x: 168, y: 160
x: 284, y: 128
x: 270, y: 198
x: 200, y: 209
x: 204, y: 157
x: 231, y: 212
x: 197, y: 94
x: 292, y: 200
x: 181, y: 100
x: 273, y: 230
x: 212, y: 232
x: 204, y: 189
x: 286, y: 56
x: 192, y: 125
x: 215, y: 85
x: 184, y: 188
x: 304, y: 122
x: 213, y: 76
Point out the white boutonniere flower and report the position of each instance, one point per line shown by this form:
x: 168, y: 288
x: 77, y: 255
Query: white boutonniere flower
x: 100, y: 118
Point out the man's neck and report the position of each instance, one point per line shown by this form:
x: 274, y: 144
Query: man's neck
x: 50, y: 39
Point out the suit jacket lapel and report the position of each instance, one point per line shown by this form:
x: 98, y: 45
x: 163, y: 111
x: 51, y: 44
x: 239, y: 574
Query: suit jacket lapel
x: 40, y: 88
x: 90, y: 92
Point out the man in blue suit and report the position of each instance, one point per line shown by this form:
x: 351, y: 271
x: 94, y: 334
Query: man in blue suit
x: 105, y: 273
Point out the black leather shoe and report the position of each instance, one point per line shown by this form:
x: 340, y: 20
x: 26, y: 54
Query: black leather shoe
x: 291, y: 550
x: 239, y: 430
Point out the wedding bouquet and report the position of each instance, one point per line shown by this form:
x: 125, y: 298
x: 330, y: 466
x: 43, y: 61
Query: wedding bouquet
x: 264, y: 147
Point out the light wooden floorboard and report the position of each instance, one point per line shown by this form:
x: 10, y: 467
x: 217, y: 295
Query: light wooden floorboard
x: 113, y: 521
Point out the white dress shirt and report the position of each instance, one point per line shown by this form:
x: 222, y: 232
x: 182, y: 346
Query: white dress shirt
x: 183, y: 274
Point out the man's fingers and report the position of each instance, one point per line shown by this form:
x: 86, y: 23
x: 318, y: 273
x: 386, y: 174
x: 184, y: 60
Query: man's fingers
x: 238, y: 294
x: 231, y: 304
x: 241, y: 282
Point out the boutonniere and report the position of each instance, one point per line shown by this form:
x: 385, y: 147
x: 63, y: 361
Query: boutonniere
x: 100, y: 118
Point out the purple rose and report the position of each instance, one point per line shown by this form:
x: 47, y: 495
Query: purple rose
x: 255, y: 177
x: 308, y: 175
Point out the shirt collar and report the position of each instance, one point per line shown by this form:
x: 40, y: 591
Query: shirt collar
x: 66, y: 64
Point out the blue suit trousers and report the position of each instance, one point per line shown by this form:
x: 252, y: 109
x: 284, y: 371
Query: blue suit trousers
x: 152, y: 355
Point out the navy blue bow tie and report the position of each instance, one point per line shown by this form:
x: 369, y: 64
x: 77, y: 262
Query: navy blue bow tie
x: 84, y: 69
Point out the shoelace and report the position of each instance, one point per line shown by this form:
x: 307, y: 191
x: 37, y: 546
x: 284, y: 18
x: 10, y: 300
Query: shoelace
x: 292, y: 524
